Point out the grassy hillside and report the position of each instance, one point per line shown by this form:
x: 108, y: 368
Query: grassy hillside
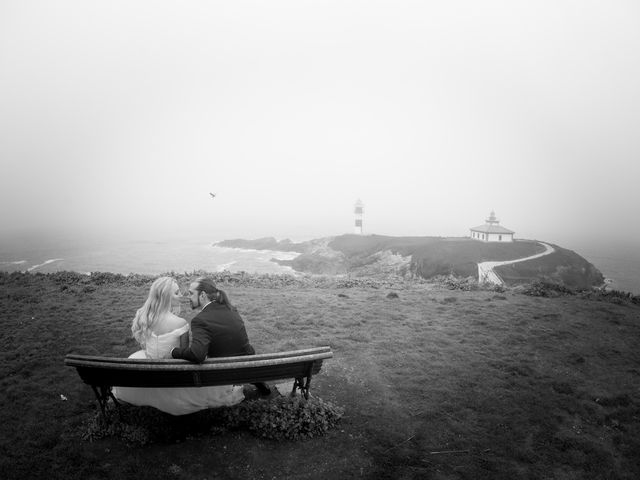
x: 429, y: 257
x: 436, y: 383
x: 356, y: 245
x: 460, y: 257
x: 562, y: 266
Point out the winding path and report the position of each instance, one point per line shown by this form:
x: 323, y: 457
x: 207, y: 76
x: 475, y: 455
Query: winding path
x: 486, y: 274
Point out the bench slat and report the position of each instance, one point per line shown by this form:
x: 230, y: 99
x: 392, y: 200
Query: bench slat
x: 170, y: 361
x: 168, y: 373
x: 181, y: 378
x: 183, y: 365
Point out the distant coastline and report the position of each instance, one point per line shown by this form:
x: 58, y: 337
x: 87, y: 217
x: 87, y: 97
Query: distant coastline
x: 429, y: 257
x: 378, y: 256
x: 146, y: 258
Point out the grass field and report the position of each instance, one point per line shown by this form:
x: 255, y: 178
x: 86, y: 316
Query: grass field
x: 436, y: 383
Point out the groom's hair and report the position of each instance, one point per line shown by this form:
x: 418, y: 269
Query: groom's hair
x: 207, y: 286
x: 214, y: 294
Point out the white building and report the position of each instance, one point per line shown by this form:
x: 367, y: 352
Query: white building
x: 491, y: 231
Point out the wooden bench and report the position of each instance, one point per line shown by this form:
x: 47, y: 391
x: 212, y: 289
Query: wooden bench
x: 103, y: 373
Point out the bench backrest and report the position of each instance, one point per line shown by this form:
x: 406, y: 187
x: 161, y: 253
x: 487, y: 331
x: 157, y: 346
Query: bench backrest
x: 128, y: 372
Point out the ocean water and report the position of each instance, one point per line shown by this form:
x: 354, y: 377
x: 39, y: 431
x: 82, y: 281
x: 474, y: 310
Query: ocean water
x: 620, y: 265
x: 145, y: 257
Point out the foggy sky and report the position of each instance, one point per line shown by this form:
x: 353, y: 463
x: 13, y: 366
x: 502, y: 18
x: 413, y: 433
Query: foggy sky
x: 120, y: 117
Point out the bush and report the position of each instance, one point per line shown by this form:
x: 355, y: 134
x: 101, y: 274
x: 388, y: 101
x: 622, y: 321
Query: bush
x: 545, y: 288
x: 290, y: 418
x: 614, y: 296
x: 452, y: 282
x: 102, y: 278
x: 283, y: 418
x: 68, y: 278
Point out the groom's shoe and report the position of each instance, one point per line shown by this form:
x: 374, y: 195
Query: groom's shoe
x: 250, y: 393
x: 263, y: 389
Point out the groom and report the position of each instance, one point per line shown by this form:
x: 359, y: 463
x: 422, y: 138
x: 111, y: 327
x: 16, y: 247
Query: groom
x: 218, y: 330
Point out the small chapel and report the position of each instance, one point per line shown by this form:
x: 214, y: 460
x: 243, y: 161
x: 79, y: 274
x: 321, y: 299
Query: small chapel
x: 492, y: 231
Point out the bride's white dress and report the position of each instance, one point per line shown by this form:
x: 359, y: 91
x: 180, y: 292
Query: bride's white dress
x: 176, y: 401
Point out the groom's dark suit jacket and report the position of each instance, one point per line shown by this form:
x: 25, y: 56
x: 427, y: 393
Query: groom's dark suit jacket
x: 215, y: 332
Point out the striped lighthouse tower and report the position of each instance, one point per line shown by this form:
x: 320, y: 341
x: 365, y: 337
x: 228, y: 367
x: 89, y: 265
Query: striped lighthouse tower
x: 358, y: 210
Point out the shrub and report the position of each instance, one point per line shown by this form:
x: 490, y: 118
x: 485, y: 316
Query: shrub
x: 102, y: 278
x: 452, y: 282
x: 283, y: 418
x: 545, y: 288
x: 67, y: 278
x: 613, y: 296
x: 290, y: 418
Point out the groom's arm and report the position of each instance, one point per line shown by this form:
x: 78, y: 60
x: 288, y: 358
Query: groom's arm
x: 199, y: 348
x: 184, y: 340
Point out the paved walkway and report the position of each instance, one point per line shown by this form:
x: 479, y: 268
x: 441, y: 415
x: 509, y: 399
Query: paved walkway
x: 486, y: 274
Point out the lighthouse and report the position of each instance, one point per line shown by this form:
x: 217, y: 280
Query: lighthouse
x: 358, y: 210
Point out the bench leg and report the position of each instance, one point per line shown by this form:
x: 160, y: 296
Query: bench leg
x: 103, y: 396
x: 306, y: 387
x: 296, y: 384
x: 300, y: 383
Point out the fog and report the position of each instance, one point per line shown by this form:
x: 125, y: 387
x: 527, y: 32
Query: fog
x: 119, y: 118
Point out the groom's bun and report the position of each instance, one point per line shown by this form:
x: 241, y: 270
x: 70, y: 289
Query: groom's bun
x: 206, y: 285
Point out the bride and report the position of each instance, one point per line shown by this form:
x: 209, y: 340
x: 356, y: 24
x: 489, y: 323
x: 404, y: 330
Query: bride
x: 158, y: 330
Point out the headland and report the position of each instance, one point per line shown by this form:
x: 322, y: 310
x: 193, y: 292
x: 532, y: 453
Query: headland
x: 431, y: 257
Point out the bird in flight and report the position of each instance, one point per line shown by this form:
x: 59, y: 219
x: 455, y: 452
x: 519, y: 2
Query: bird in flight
x: 213, y: 195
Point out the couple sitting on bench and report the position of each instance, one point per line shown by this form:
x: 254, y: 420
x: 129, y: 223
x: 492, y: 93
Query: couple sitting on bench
x: 216, y: 331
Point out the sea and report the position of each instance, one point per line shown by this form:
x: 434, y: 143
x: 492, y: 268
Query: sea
x: 144, y: 257
x: 620, y: 266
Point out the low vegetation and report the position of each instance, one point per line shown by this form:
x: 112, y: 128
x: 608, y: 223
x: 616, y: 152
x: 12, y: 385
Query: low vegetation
x: 280, y: 418
x: 440, y: 380
x: 563, y: 267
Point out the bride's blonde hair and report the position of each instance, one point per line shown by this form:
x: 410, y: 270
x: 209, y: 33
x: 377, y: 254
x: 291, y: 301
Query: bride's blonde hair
x: 157, y: 304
